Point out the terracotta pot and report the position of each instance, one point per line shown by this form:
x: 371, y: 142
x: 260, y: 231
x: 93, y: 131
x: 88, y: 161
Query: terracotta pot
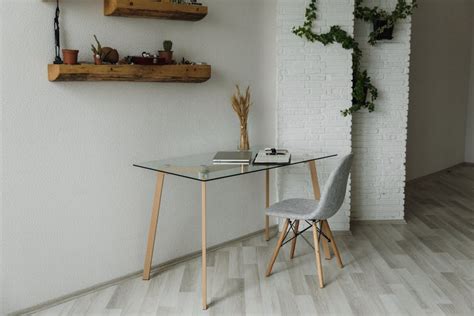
x: 70, y: 56
x: 97, y: 60
x: 166, y: 55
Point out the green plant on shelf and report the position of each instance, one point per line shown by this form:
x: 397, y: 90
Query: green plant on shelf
x: 97, y: 51
x: 167, y: 46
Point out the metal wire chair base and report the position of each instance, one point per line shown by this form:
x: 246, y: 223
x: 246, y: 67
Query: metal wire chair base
x: 300, y: 233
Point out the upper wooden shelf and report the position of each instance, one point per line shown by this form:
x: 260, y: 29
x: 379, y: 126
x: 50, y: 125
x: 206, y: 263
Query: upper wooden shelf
x: 161, y: 73
x: 164, y: 9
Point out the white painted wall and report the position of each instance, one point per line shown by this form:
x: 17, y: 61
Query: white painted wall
x: 439, y: 80
x: 469, y: 151
x: 75, y: 210
x: 2, y: 307
x: 314, y: 85
x: 379, y: 138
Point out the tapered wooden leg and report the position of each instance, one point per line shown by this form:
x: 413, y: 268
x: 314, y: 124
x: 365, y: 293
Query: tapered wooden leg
x: 267, y: 204
x: 314, y: 180
x: 318, y: 256
x: 293, y: 242
x: 155, y: 211
x: 333, y: 243
x: 277, y: 248
x: 203, y: 246
x: 327, y: 252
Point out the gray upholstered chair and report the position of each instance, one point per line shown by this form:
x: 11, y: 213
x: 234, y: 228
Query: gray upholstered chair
x: 314, y: 212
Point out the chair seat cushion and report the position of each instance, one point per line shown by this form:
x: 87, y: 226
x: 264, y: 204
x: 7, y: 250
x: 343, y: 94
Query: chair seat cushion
x: 293, y: 209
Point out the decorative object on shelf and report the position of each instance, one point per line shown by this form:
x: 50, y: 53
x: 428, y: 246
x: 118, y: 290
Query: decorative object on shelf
x: 147, y: 59
x: 383, y: 21
x: 104, y: 54
x: 97, y: 51
x: 167, y: 53
x: 241, y: 105
x: 110, y: 55
x: 70, y: 56
x: 135, y: 73
x: 57, y: 58
x: 165, y: 9
x: 184, y: 61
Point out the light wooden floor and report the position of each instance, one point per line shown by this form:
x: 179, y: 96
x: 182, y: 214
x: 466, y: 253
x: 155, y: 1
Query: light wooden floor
x: 423, y: 268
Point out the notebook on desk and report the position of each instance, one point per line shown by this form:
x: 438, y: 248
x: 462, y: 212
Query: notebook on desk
x: 272, y: 156
x: 232, y: 158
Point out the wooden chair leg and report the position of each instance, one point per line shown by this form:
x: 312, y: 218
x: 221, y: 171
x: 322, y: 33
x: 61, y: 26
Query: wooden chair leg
x: 333, y: 243
x: 277, y: 248
x: 267, y: 204
x: 293, y: 242
x: 327, y: 252
x: 318, y: 255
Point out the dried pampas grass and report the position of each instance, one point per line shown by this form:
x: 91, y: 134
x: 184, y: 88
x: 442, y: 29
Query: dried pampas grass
x: 241, y: 105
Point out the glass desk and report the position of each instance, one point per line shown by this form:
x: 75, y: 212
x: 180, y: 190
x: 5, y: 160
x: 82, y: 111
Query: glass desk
x: 200, y: 168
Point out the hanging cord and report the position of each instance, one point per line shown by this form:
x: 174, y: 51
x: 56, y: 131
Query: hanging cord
x: 57, y: 59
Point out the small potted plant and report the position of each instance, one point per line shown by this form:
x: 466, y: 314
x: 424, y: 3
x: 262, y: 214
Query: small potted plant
x: 167, y: 53
x: 383, y: 28
x: 97, y: 51
x: 70, y: 56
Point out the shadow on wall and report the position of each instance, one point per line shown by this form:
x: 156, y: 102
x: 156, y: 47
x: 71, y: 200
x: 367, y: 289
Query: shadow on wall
x: 439, y: 85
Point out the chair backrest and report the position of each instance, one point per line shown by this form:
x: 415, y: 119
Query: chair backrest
x: 334, y: 191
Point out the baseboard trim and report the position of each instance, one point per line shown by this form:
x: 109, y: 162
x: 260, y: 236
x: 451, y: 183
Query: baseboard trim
x: 379, y: 222
x: 155, y: 270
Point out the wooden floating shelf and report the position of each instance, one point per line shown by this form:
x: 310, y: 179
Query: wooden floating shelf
x: 159, y: 73
x: 154, y: 9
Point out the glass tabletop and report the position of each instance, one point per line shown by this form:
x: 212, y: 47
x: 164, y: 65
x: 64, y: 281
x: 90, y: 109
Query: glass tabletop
x: 201, y: 168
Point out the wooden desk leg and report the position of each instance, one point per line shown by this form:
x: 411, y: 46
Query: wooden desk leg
x: 314, y: 180
x: 203, y: 247
x: 153, y: 225
x: 267, y: 204
x: 317, y: 196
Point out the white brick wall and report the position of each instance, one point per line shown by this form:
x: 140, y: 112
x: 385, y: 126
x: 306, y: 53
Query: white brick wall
x: 379, y: 138
x: 314, y: 85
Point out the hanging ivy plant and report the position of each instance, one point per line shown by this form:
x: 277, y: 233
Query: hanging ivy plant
x: 383, y: 20
x: 361, y: 84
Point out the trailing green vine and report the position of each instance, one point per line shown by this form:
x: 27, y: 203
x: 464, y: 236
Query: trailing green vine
x: 402, y: 11
x: 364, y: 93
x: 361, y: 81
